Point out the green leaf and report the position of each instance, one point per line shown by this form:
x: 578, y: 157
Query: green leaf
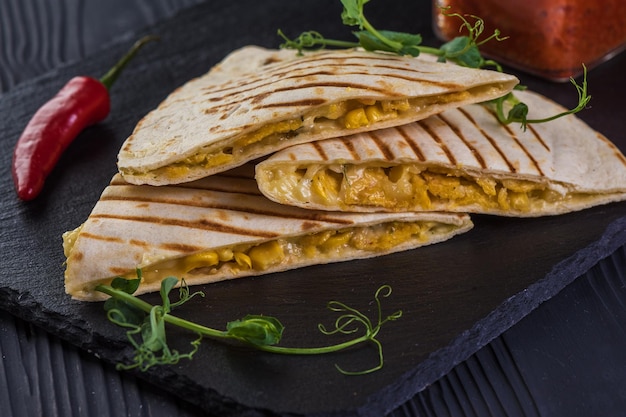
x: 123, y: 313
x: 352, y: 14
x: 369, y: 42
x: 257, y: 330
x: 129, y: 286
x: 407, y: 39
x: 463, y: 51
x: 471, y: 58
x: 407, y: 44
x: 118, y: 310
x: 153, y: 331
x: 519, y: 112
x: 166, y: 287
x: 455, y: 46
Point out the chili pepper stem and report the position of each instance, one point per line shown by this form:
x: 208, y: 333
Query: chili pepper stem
x: 109, y: 78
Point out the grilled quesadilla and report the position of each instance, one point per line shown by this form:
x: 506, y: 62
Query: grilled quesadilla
x: 221, y: 227
x: 461, y: 160
x: 257, y: 101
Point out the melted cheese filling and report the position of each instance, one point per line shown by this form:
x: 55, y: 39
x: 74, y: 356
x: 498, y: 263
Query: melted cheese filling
x: 352, y: 114
x: 322, y: 247
x: 408, y: 187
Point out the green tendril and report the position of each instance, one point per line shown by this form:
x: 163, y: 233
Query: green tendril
x: 146, y: 326
x: 463, y: 50
x: 518, y: 112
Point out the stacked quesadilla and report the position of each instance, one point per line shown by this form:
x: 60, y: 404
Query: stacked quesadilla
x: 257, y: 101
x: 357, y: 154
x: 461, y: 160
x: 221, y: 227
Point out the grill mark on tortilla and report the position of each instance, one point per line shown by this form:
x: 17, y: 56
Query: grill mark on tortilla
x: 479, y: 158
x: 367, y: 72
x: 386, y: 151
x: 433, y: 134
x: 320, y: 150
x: 337, y: 84
x: 308, y: 103
x: 139, y: 243
x: 538, y: 137
x: 261, y: 83
x: 412, y: 143
x: 321, y: 83
x: 529, y: 127
x: 389, y: 63
x: 118, y: 270
x: 258, y: 98
x: 203, y: 224
x: 313, y: 62
x: 270, y: 79
x: 526, y: 150
x: 309, y: 215
x: 307, y: 226
x: 99, y: 237
x: 350, y: 147
x: 491, y: 140
x: 317, y: 58
x: 227, y: 113
x: 181, y: 247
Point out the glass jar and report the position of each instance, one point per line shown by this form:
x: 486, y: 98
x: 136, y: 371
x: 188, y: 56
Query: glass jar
x: 548, y: 38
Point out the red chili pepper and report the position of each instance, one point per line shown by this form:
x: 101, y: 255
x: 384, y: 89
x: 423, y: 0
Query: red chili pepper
x: 82, y: 102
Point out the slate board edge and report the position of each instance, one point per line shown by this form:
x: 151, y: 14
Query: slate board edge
x: 506, y: 315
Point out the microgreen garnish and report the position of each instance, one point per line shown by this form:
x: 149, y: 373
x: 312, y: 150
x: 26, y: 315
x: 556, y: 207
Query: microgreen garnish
x: 462, y: 50
x: 146, y: 326
x: 369, y: 38
x: 519, y: 111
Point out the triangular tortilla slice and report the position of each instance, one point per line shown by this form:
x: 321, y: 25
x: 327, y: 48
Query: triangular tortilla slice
x: 461, y: 160
x: 257, y: 101
x: 221, y: 227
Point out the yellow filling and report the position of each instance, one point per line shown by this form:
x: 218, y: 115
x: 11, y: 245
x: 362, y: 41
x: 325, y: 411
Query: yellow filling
x: 352, y: 114
x: 326, y: 245
x: 407, y: 187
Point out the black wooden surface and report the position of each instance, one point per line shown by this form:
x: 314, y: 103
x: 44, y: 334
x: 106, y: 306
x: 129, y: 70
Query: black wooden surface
x: 514, y: 375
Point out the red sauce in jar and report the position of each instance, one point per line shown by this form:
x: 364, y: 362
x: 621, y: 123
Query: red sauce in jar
x: 549, y: 38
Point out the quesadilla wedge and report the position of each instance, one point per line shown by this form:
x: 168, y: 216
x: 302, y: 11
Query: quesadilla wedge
x: 221, y: 227
x: 257, y: 101
x: 462, y: 160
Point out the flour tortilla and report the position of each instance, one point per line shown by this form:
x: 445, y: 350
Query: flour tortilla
x: 143, y: 226
x: 233, y: 114
x: 568, y: 164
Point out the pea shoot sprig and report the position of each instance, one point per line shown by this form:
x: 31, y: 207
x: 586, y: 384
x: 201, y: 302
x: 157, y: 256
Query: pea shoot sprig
x: 146, y: 326
x: 519, y: 111
x: 463, y: 50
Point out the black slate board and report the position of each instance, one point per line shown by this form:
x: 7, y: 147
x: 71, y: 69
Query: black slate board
x: 456, y: 296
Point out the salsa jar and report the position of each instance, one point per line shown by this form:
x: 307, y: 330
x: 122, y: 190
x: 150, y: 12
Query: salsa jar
x: 552, y: 39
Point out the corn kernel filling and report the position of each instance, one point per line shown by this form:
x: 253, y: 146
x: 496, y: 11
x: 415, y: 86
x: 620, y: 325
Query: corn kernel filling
x: 408, y: 187
x: 351, y: 114
x: 329, y: 244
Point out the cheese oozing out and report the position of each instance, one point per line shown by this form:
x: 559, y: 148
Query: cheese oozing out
x: 288, y: 252
x: 282, y: 253
x: 352, y: 115
x: 408, y: 187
